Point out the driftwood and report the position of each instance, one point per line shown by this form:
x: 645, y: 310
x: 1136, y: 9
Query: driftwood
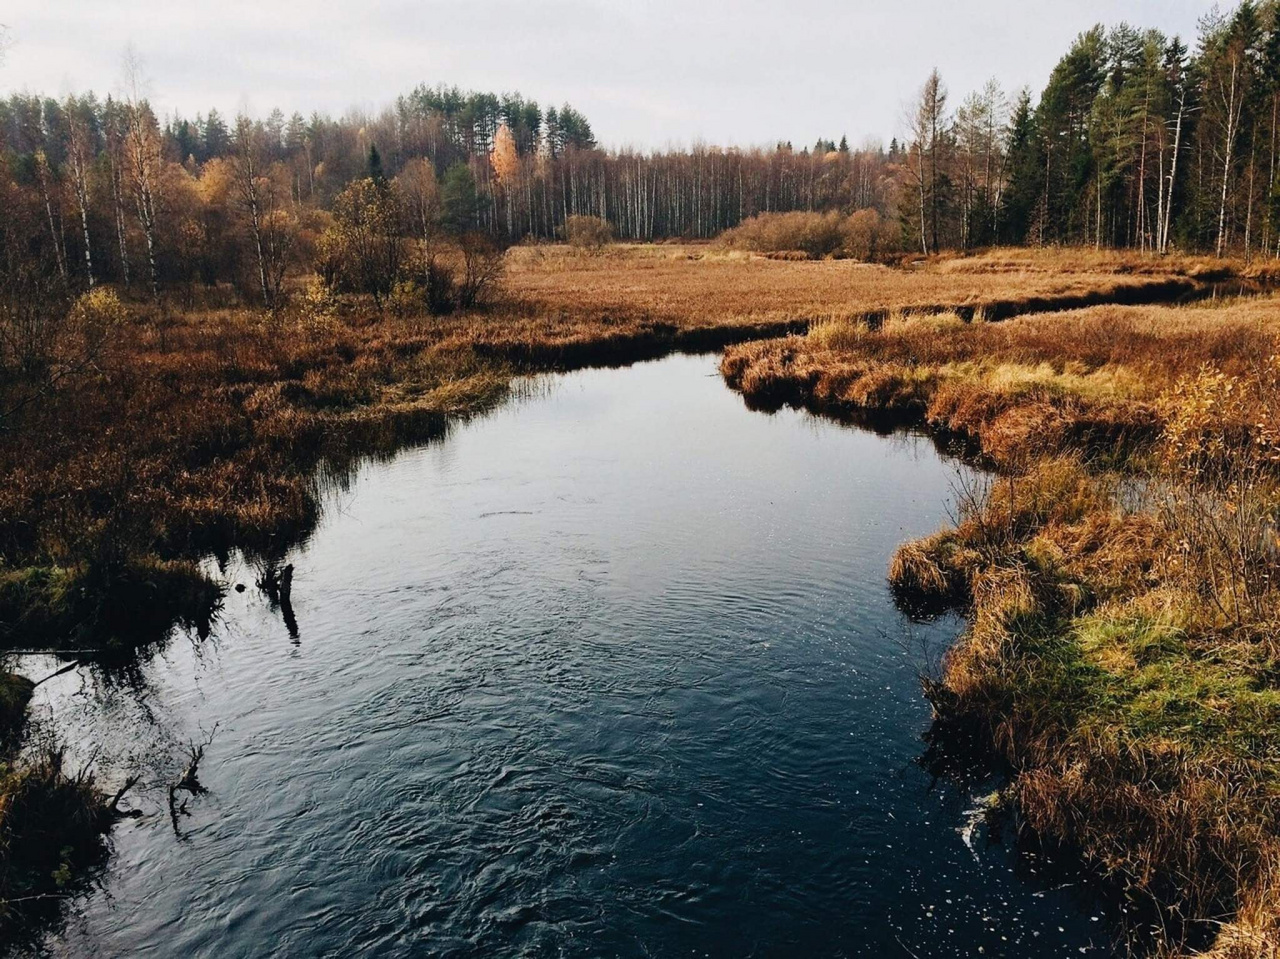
x: 189, y: 781
x: 113, y: 807
x: 277, y: 582
x: 65, y: 669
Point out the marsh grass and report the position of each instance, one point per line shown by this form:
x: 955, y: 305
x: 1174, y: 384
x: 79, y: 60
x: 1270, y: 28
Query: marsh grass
x: 703, y: 285
x: 1087, y: 380
x: 1123, y: 661
x: 52, y: 830
x: 52, y: 820
x: 195, y: 431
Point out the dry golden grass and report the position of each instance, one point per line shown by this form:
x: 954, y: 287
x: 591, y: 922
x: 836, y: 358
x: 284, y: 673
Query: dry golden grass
x: 701, y: 285
x: 1143, y: 725
x: 202, y: 429
x: 1035, y: 385
x: 1069, y: 259
x: 1122, y: 658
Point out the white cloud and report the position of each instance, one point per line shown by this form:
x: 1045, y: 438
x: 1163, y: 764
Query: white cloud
x: 645, y: 72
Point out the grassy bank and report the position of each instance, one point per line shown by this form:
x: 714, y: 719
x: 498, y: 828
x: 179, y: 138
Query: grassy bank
x: 1119, y: 576
x: 52, y: 820
x: 1087, y: 380
x: 1135, y: 701
x: 200, y: 430
x: 196, y: 431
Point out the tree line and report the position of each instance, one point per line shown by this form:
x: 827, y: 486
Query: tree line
x: 1136, y: 141
x: 101, y: 189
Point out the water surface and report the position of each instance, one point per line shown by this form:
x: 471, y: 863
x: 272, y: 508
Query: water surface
x: 611, y: 671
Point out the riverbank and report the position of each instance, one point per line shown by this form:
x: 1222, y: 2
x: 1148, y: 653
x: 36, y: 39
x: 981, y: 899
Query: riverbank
x: 612, y: 668
x: 1089, y: 381
x: 197, y: 431
x: 1118, y: 576
x: 200, y: 431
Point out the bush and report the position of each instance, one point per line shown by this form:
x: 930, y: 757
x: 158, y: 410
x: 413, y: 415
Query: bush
x: 440, y: 287
x: 863, y: 235
x: 406, y: 298
x: 51, y: 827
x: 483, y: 262
x: 362, y: 252
x: 814, y: 234
x: 587, y: 232
x: 868, y: 236
x: 46, y: 342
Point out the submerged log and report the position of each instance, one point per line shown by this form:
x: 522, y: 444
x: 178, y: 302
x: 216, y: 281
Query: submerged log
x: 277, y: 582
x: 189, y: 781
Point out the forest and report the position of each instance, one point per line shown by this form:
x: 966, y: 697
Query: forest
x: 1135, y: 142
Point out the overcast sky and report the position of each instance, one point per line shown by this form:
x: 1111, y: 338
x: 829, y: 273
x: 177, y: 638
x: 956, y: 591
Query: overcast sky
x: 646, y: 72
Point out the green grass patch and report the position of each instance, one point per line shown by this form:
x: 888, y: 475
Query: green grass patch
x: 51, y: 607
x: 1143, y: 679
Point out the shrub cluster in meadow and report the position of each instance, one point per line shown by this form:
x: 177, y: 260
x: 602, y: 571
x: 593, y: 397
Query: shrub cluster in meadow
x: 863, y: 235
x: 587, y: 232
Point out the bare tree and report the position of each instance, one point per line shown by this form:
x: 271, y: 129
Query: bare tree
x: 1228, y: 68
x: 257, y: 196
x: 1180, y: 81
x: 981, y: 129
x: 44, y: 176
x: 142, y: 156
x: 483, y: 263
x: 420, y: 199
x: 80, y: 155
x: 113, y: 127
x: 929, y: 127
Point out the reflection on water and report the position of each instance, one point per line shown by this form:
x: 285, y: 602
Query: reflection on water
x: 612, y: 671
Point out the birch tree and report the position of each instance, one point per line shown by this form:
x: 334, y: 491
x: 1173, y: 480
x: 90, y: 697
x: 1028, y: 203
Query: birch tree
x: 245, y: 164
x: 142, y: 158
x: 80, y: 152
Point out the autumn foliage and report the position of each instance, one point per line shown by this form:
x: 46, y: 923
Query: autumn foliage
x: 863, y: 235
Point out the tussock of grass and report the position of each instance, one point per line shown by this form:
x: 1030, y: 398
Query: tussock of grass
x: 52, y: 824
x: 15, y: 695
x: 1143, y: 726
x: 1037, y: 385
x: 52, y: 821
x: 135, y: 604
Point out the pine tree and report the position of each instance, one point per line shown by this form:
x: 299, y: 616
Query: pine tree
x: 1064, y: 121
x: 458, y: 202
x: 1026, y: 174
x: 216, y: 136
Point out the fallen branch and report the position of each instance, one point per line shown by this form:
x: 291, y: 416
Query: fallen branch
x: 65, y: 669
x: 277, y: 583
x: 113, y: 807
x: 189, y: 781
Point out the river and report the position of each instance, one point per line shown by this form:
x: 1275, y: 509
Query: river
x: 611, y: 671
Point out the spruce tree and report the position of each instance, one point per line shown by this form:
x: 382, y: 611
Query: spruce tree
x: 458, y: 203
x: 1026, y: 175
